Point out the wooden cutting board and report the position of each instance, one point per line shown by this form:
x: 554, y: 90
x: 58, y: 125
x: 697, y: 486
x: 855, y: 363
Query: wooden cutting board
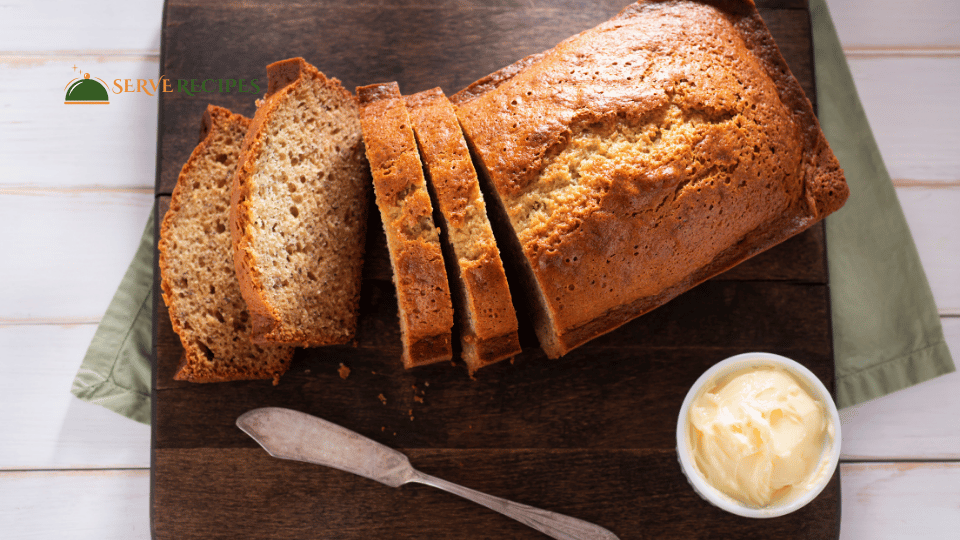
x: 590, y: 435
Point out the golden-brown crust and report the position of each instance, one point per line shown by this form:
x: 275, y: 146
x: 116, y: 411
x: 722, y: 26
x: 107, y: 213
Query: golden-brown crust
x: 283, y: 77
x: 423, y: 293
x: 617, y: 255
x: 488, y: 320
x: 193, y: 366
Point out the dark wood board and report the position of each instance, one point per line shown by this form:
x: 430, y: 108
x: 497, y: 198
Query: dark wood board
x: 590, y: 434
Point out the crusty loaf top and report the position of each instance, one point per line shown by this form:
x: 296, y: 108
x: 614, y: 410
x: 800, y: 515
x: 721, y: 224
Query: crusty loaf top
x: 635, y: 155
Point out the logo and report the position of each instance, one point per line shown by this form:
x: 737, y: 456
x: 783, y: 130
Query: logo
x: 89, y: 91
x: 86, y: 91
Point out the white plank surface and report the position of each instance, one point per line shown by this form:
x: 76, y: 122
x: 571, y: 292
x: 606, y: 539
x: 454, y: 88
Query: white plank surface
x: 44, y: 143
x: 66, y: 25
x: 915, y: 423
x: 933, y: 215
x: 895, y: 24
x: 911, y: 105
x: 898, y: 501
x: 75, y: 505
x: 44, y: 425
x: 880, y: 501
x: 65, y: 251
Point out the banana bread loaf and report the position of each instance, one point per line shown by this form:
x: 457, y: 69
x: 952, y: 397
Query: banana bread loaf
x: 299, y: 209
x: 488, y: 322
x: 641, y: 157
x: 423, y: 293
x: 198, y: 282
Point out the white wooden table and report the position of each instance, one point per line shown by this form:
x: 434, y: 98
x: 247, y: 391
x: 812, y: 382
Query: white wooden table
x: 76, y: 186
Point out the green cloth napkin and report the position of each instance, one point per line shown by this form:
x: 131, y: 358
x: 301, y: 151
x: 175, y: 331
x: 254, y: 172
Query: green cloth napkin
x: 116, y: 371
x: 886, y: 329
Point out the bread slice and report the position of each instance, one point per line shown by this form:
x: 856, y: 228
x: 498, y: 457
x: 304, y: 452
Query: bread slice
x: 640, y: 158
x: 198, y: 282
x: 423, y: 293
x: 488, y: 322
x: 299, y: 209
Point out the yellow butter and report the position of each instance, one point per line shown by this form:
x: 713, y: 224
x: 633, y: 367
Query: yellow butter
x: 759, y: 436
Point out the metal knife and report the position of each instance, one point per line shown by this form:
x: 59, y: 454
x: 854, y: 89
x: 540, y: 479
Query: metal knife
x: 289, y: 434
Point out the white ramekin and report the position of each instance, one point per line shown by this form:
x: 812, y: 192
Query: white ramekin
x: 722, y: 500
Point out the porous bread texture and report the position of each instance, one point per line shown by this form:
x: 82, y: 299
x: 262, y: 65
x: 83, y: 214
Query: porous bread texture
x: 198, y: 282
x: 413, y: 240
x: 488, y: 322
x: 643, y: 156
x: 299, y: 209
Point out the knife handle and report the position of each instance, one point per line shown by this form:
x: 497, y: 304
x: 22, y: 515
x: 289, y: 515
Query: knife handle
x: 549, y: 523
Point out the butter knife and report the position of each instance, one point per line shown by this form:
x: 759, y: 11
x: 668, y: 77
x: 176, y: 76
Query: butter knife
x: 289, y: 434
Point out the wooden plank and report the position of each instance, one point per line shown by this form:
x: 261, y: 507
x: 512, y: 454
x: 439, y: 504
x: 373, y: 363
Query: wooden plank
x: 46, y: 427
x: 75, y: 505
x: 894, y: 25
x: 256, y: 492
x: 62, y: 25
x: 912, y: 107
x: 66, y: 251
x: 892, y: 501
x: 582, y: 408
x: 46, y: 144
x: 935, y: 224
x: 917, y: 423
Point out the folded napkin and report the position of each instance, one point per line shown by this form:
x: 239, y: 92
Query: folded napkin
x: 116, y: 370
x: 886, y: 329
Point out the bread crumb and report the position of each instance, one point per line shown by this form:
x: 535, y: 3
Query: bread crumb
x: 418, y: 399
x: 383, y: 428
x: 426, y: 383
x: 411, y: 415
x: 307, y: 371
x: 382, y: 399
x: 344, y: 371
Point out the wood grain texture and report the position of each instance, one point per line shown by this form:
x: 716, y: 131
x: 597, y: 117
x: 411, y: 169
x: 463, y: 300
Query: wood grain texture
x: 256, y: 492
x: 605, y: 414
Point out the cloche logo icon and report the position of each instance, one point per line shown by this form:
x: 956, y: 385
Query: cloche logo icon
x: 86, y: 91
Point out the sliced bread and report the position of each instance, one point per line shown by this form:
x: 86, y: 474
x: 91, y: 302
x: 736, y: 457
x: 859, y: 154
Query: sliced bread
x: 640, y: 158
x: 488, y: 322
x: 413, y: 240
x: 198, y: 282
x: 299, y: 209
